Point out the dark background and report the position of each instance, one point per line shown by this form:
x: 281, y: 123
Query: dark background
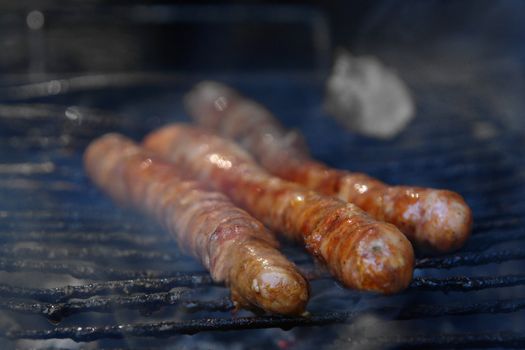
x: 477, y: 45
x: 249, y: 35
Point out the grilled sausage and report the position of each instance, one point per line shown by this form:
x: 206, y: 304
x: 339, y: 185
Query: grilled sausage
x: 434, y: 220
x: 361, y: 252
x: 232, y: 245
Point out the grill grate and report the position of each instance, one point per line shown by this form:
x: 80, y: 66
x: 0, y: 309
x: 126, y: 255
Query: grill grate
x: 456, y: 341
x: 152, y: 301
x: 182, y: 296
x: 62, y: 227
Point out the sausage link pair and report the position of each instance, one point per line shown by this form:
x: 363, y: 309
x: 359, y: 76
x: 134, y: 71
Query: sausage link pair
x: 232, y: 245
x: 361, y: 252
x: 434, y: 220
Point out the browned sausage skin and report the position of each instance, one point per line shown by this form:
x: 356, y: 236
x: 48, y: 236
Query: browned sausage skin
x: 232, y: 245
x: 434, y: 220
x: 361, y: 252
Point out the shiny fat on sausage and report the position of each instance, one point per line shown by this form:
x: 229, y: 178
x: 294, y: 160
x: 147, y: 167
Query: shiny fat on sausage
x: 363, y: 253
x: 236, y: 248
x: 436, y: 221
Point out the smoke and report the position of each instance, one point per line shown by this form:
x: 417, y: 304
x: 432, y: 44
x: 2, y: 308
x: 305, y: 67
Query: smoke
x: 475, y: 45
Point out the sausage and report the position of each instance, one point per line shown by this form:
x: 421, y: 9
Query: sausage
x: 361, y: 252
x: 435, y: 221
x: 236, y: 248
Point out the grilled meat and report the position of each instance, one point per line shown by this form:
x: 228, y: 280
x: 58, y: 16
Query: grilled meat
x: 236, y: 248
x: 434, y: 220
x: 363, y: 253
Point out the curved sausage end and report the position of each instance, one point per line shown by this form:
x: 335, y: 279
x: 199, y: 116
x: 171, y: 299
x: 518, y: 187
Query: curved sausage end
x: 268, y: 281
x: 282, y: 291
x: 446, y: 221
x: 382, y: 261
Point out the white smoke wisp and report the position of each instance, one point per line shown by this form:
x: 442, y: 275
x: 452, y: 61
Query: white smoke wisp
x: 368, y: 97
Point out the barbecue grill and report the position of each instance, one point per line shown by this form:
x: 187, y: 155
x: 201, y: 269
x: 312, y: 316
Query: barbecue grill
x: 78, y: 271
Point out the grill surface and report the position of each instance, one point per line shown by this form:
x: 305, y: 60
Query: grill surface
x: 99, y: 273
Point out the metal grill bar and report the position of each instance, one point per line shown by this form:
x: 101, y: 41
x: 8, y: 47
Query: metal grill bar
x: 86, y: 83
x: 466, y: 284
x: 456, y: 341
x: 60, y: 117
x: 167, y: 329
x: 458, y: 284
x: 42, y: 142
x: 47, y: 213
x: 146, y: 302
x: 464, y: 259
x: 180, y: 296
x: 114, y: 238
x: 490, y: 187
x: 105, y: 254
x: 84, y: 271
x: 56, y: 295
x: 27, y: 168
x: 469, y: 259
x: 491, y: 307
x: 478, y: 241
x: 72, y: 226
x: 87, y: 253
x: 487, y: 223
x: 20, y: 184
x: 88, y: 271
x: 63, y: 215
x: 108, y: 234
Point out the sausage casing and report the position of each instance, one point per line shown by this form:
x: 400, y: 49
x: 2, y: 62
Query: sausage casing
x: 434, y: 220
x: 361, y: 252
x: 236, y: 248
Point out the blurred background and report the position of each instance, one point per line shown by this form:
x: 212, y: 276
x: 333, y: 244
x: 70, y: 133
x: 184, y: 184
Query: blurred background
x: 477, y: 44
x: 53, y: 36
